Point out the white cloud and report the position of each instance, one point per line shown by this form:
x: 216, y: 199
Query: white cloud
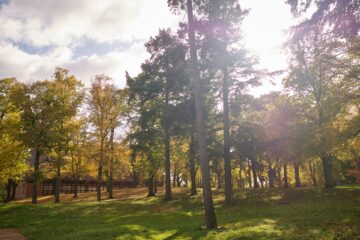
x: 31, y: 67
x: 113, y: 64
x: 61, y: 26
x: 54, y: 22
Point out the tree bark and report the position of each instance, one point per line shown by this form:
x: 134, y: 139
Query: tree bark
x: 111, y: 167
x: 271, y: 175
x: 297, y: 174
x: 227, y: 157
x: 249, y: 174
x: 192, y: 154
x: 312, y: 174
x: 218, y: 173
x: 174, y: 178
x: 286, y: 183
x: 98, y: 183
x: 151, y: 186
x: 57, y: 183
x: 240, y: 178
x: 35, y: 176
x: 75, y: 187
x: 8, y: 191
x: 134, y: 173
x: 168, y: 195
x: 13, y: 189
x: 326, y: 162
x: 155, y: 186
x: 100, y: 168
x: 178, y: 181
x: 260, y: 179
x: 210, y: 216
x: 253, y: 168
x: 278, y: 168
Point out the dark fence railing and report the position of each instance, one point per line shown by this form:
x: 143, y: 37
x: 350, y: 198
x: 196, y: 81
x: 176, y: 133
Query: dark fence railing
x: 68, y: 186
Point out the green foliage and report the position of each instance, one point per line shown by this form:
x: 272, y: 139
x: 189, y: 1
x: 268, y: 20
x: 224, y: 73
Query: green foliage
x: 13, y: 153
x: 340, y: 17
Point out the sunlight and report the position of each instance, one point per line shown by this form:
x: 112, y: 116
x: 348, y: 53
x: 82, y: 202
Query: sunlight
x: 265, y: 28
x: 179, y: 119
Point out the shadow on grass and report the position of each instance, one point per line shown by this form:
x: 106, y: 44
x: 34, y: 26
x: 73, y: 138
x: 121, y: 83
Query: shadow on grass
x: 256, y: 214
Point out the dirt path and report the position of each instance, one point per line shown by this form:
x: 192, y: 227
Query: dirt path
x: 11, y: 234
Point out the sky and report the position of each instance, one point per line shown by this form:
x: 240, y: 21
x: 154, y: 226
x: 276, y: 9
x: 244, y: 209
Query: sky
x: 108, y: 36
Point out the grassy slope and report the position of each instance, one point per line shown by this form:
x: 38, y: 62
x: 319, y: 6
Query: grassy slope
x: 256, y: 214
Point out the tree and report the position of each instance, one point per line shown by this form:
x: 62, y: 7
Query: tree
x: 199, y: 113
x: 340, y: 17
x: 145, y: 134
x: 192, y: 156
x: 38, y: 116
x: 118, y: 111
x: 101, y: 110
x: 323, y: 75
x: 77, y: 150
x: 67, y: 96
x: 250, y: 143
x: 200, y: 128
x: 168, y: 65
x: 13, y: 153
x: 228, y: 64
x: 284, y: 131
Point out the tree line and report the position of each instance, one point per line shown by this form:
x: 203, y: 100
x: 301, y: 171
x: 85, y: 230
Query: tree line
x: 188, y: 119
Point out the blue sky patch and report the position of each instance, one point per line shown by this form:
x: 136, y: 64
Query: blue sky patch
x: 2, y: 2
x: 89, y: 47
x: 30, y: 49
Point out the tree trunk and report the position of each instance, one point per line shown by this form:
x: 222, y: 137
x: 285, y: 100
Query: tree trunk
x: 249, y: 174
x: 218, y: 174
x: 98, y: 183
x: 151, y: 186
x: 312, y: 174
x: 326, y: 162
x: 57, y: 183
x: 240, y: 178
x: 168, y: 195
x: 174, y: 178
x: 278, y: 168
x: 271, y: 175
x: 75, y: 187
x: 260, y: 179
x: 111, y: 167
x: 227, y: 157
x: 253, y: 168
x: 210, y: 216
x: 297, y: 174
x: 35, y: 176
x: 8, y: 191
x: 100, y: 169
x: 178, y: 181
x: 13, y: 189
x: 192, y: 154
x: 135, y: 174
x: 110, y: 185
x: 286, y: 183
x: 155, y: 186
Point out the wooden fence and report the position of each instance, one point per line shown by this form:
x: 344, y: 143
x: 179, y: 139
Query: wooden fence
x: 68, y: 186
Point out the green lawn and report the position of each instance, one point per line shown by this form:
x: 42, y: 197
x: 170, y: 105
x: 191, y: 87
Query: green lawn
x: 256, y: 214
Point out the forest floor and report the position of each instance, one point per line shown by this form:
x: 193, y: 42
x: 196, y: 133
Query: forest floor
x: 309, y: 213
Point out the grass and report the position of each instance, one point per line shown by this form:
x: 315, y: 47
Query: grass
x: 256, y: 214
